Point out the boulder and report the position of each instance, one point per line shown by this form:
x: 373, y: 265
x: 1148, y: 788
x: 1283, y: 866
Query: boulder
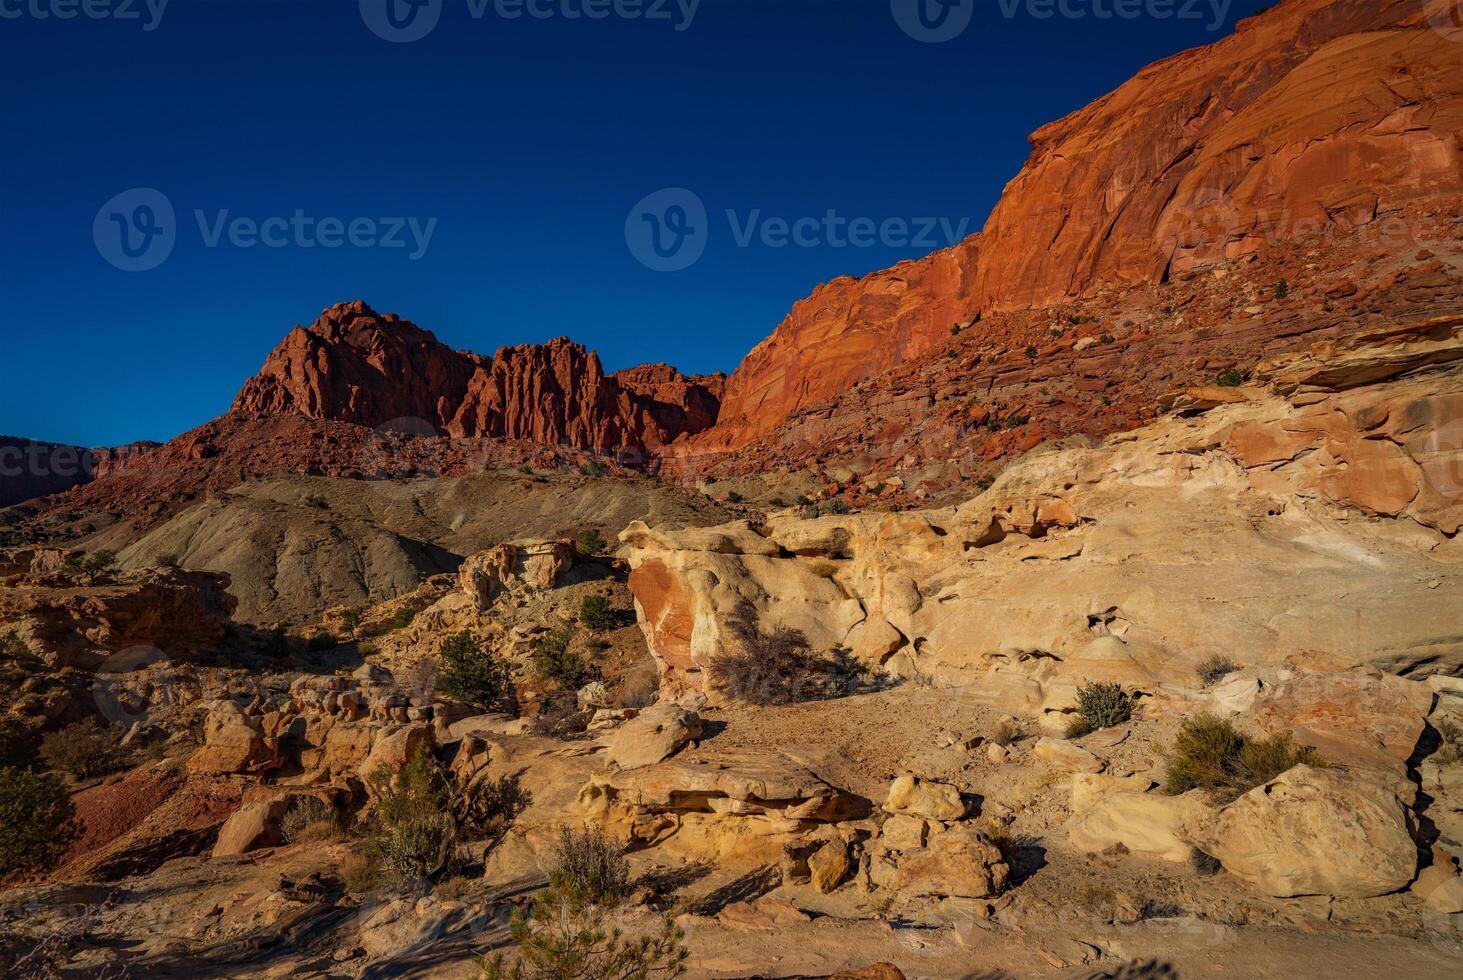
x: 1066, y: 756
x: 395, y: 745
x: 829, y: 864
x: 1147, y: 824
x: 1440, y: 888
x: 925, y: 798
x: 251, y: 826
x: 1088, y: 788
x: 654, y: 735
x: 1318, y: 832
x: 1355, y: 717
x: 902, y: 832
x: 233, y: 742
x: 960, y: 863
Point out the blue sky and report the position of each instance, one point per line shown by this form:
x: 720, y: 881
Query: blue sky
x: 524, y: 145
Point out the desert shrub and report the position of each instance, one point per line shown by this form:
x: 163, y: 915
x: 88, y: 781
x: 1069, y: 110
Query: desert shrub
x: 359, y: 870
x: 403, y: 618
x: 803, y: 500
x: 593, y: 468
x: 85, y: 749
x: 1215, y: 669
x: 777, y: 502
x: 1107, y: 338
x: 468, y: 673
x: 1230, y: 378
x: 1006, y: 731
x: 590, y: 866
x: 772, y: 666
x: 1031, y: 352
x: 309, y: 818
x: 351, y: 618
x: 1282, y: 289
x: 734, y: 498
x: 808, y: 511
x: 564, y: 939
x: 1100, y: 705
x: 324, y: 640
x: 559, y: 716
x: 596, y: 613
x: 485, y: 808
x: 1450, y: 737
x: 1210, y: 753
x: 555, y: 662
x: 591, y: 542
x: 1203, y: 863
x: 17, y: 744
x: 837, y: 506
x: 315, y: 500
x: 37, y: 821
x: 412, y: 829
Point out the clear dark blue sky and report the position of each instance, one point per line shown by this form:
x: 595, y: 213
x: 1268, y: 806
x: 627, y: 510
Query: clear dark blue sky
x: 529, y: 141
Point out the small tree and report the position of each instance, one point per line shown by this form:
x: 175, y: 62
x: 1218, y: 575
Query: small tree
x: 99, y: 565
x: 565, y: 935
x: 85, y: 749
x: 469, y: 673
x: 37, y: 821
x: 412, y: 829
x: 1100, y: 706
x: 555, y: 661
x: 596, y: 613
x: 591, y: 542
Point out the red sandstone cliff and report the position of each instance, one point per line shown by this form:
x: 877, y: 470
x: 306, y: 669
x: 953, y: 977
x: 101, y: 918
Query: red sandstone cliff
x: 1318, y: 117
x: 354, y: 365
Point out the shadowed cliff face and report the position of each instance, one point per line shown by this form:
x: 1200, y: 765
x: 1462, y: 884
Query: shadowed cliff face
x: 1320, y: 117
x: 354, y: 365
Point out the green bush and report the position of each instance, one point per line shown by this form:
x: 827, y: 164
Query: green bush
x: 555, y: 662
x: 593, y: 468
x: 563, y: 939
x: 1031, y: 352
x: 1230, y: 378
x: 596, y: 613
x: 837, y: 506
x: 85, y: 749
x: 1100, y: 705
x: 591, y: 542
x: 412, y: 830
x: 403, y: 618
x: 37, y: 821
x: 1209, y: 753
x: 470, y: 674
x: 1282, y: 289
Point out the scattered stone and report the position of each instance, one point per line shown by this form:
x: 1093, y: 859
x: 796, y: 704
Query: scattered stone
x: 918, y: 797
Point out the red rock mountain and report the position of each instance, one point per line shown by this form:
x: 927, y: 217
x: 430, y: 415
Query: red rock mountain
x: 1319, y: 117
x: 355, y: 365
